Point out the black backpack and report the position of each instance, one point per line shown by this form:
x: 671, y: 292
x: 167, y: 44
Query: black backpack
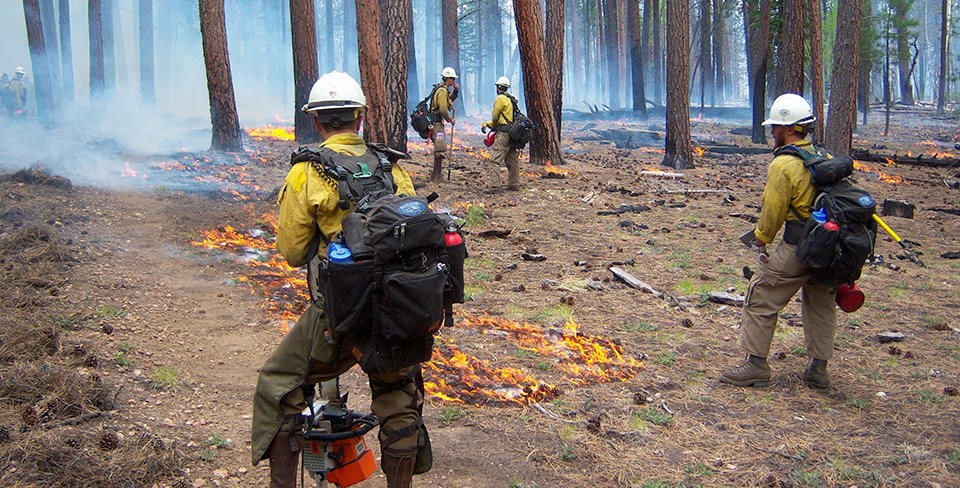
x: 522, y: 128
x: 836, y: 256
x: 406, y: 271
x: 421, y: 119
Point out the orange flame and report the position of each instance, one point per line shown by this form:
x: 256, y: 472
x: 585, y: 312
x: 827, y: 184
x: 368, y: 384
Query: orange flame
x: 889, y: 178
x: 698, y: 151
x: 550, y: 168
x: 271, y: 132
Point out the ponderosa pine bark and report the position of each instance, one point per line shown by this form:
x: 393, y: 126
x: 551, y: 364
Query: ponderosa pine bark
x: 553, y: 50
x: 451, y: 44
x: 545, y: 143
x: 677, y: 152
x: 846, y: 53
x: 223, y: 104
x: 371, y: 70
x: 306, y: 70
x: 790, y: 59
x: 397, y: 16
x: 38, y: 60
x: 706, y: 53
x: 756, y: 14
x: 636, y: 59
x: 816, y: 65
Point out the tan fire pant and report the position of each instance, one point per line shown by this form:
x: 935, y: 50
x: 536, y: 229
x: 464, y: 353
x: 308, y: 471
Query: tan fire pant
x: 771, y: 288
x: 439, y: 143
x: 502, y: 153
x: 306, y: 356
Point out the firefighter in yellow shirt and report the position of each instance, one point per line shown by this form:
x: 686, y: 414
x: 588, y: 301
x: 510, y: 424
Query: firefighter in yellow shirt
x: 313, y: 352
x: 502, y: 152
x: 441, y: 108
x: 787, y: 197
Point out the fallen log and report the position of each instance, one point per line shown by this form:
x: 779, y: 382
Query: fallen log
x: 661, y: 174
x: 918, y: 160
x: 725, y: 298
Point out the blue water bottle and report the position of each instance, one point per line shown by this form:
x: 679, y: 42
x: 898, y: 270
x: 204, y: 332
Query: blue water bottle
x: 338, y: 252
x: 820, y: 215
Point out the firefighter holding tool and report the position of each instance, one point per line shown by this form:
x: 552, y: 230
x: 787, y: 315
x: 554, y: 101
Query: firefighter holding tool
x: 787, y: 197
x: 311, y: 214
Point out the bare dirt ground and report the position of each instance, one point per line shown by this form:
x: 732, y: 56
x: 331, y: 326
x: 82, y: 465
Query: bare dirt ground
x: 170, y: 334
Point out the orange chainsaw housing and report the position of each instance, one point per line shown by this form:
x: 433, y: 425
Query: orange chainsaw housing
x: 355, y: 462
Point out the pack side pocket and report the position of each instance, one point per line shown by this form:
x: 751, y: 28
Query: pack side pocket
x: 454, y: 259
x: 348, y: 295
x: 412, y: 304
x: 817, y: 245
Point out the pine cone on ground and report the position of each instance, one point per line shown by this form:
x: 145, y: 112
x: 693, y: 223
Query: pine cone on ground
x: 4, y: 433
x: 30, y: 416
x: 109, y: 440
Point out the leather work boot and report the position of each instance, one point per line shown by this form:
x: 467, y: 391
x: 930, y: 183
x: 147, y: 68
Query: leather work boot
x: 816, y: 376
x: 283, y: 461
x: 437, y: 172
x: 753, y: 371
x: 398, y: 467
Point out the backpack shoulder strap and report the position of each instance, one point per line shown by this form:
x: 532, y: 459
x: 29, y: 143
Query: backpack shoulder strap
x: 432, y: 94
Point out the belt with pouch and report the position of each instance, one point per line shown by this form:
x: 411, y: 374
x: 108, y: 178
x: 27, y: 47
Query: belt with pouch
x: 793, y: 232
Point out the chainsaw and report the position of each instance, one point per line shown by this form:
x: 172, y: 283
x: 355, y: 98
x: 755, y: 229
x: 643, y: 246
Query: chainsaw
x: 334, y: 448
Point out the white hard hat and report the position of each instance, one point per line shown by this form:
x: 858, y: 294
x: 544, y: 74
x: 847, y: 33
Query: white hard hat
x: 335, y: 90
x: 448, y: 72
x: 503, y: 81
x: 790, y: 109
x: 20, y: 70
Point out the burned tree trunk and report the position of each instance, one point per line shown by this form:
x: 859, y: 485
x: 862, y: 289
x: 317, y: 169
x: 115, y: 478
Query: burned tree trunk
x: 846, y: 49
x: 636, y: 59
x: 790, y: 59
x: 396, y: 15
x: 66, y: 49
x: 816, y: 65
x: 305, y: 69
x: 944, y: 46
x: 38, y: 60
x: 677, y: 151
x: 95, y: 24
x: 371, y: 70
x: 148, y: 92
x: 904, y: 60
x: 223, y: 105
x: 545, y: 143
x: 756, y: 14
x: 554, y: 57
x: 610, y: 42
x: 451, y: 43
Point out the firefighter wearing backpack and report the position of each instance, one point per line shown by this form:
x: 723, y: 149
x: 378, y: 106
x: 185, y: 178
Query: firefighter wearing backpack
x: 313, y: 352
x: 780, y: 274
x: 503, y: 152
x: 441, y: 110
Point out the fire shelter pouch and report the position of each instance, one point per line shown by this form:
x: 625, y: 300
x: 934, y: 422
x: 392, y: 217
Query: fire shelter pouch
x: 348, y: 294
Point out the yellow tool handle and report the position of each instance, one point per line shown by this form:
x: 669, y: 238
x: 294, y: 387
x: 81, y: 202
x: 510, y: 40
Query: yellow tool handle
x: 887, y: 228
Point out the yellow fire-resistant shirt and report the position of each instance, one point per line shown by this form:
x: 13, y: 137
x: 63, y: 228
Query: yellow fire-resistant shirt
x: 441, y: 103
x: 308, y: 201
x: 788, y: 184
x: 502, y: 112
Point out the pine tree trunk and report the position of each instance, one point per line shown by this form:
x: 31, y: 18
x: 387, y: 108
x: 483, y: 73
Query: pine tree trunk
x: 610, y: 41
x: 657, y: 53
x: 351, y: 41
x: 757, y: 34
x: 720, y: 83
x: 865, y: 68
x: 371, y: 70
x: 148, y: 92
x: 66, y: 50
x: 431, y: 70
x: 545, y: 143
x: 846, y: 52
x: 944, y: 46
x: 790, y: 59
x: 554, y: 57
x: 636, y: 59
x: 223, y: 105
x: 396, y: 15
x: 646, y: 43
x: 904, y: 56
x: 816, y: 65
x: 109, y: 49
x: 305, y: 69
x: 38, y: 60
x: 451, y: 44
x: 706, y: 53
x: 496, y: 20
x: 623, y: 44
x: 413, y: 77
x: 48, y: 22
x: 677, y: 151
x: 95, y: 23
